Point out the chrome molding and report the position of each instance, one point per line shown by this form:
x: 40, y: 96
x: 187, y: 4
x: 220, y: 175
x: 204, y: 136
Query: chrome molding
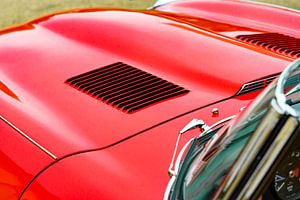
x: 255, y: 85
x: 181, y: 153
x: 174, y: 173
x: 160, y: 3
x: 28, y: 138
x: 248, y: 154
x: 279, y: 91
x: 269, y: 159
x: 279, y: 107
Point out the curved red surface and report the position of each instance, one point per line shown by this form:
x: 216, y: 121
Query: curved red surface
x: 248, y: 14
x: 20, y: 161
x: 189, y: 43
x: 36, y: 62
x: 135, y: 169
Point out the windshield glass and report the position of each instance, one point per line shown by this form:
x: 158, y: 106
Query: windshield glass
x: 292, y: 90
x: 207, y: 171
x: 214, y: 168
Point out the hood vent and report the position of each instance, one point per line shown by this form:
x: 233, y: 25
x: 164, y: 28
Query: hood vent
x: 256, y: 85
x: 125, y: 87
x: 278, y: 43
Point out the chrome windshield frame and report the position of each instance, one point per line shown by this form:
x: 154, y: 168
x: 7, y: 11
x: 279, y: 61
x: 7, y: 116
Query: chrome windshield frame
x: 277, y: 127
x: 279, y: 115
x: 183, y: 150
x: 279, y: 91
x: 161, y: 3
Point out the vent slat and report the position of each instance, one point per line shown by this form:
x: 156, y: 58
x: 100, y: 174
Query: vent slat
x: 158, y: 90
x: 131, y: 92
x: 158, y: 99
x: 256, y: 85
x: 246, y: 91
x: 95, y: 78
x: 111, y: 80
x: 101, y: 76
x: 91, y: 73
x: 144, y: 100
x: 124, y: 87
x: 137, y: 93
x: 279, y: 43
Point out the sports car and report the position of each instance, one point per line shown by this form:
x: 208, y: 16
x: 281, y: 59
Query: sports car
x: 189, y: 99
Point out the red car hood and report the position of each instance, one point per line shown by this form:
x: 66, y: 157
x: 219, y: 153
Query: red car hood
x: 39, y: 57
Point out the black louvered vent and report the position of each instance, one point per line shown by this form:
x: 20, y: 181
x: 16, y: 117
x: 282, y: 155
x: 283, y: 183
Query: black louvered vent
x: 256, y: 85
x: 125, y: 87
x: 279, y: 43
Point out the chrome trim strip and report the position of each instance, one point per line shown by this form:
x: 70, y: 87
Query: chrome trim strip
x: 248, y: 154
x: 220, y: 122
x: 174, y: 173
x: 246, y: 91
x: 279, y: 91
x: 29, y: 138
x: 269, y: 158
x: 279, y: 107
x: 169, y: 188
x: 181, y: 153
x: 161, y: 3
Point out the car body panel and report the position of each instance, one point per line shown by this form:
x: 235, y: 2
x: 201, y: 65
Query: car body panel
x: 93, y: 147
x: 20, y: 161
x: 138, y: 166
x: 36, y: 62
x: 249, y: 14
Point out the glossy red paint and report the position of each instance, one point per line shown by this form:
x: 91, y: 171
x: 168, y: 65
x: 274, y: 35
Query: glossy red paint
x: 7, y: 91
x: 187, y: 47
x: 35, y: 64
x: 20, y: 161
x: 261, y: 17
x: 134, y: 169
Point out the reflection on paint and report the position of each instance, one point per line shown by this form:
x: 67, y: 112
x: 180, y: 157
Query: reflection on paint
x: 8, y: 91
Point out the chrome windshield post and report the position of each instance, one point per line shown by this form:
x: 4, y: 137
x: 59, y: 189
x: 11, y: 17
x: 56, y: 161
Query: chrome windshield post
x: 160, y: 3
x: 195, y: 123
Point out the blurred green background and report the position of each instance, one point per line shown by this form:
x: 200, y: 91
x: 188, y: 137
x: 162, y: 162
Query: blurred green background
x: 18, y: 11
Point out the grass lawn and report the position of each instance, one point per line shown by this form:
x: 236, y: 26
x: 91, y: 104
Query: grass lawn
x: 18, y: 11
